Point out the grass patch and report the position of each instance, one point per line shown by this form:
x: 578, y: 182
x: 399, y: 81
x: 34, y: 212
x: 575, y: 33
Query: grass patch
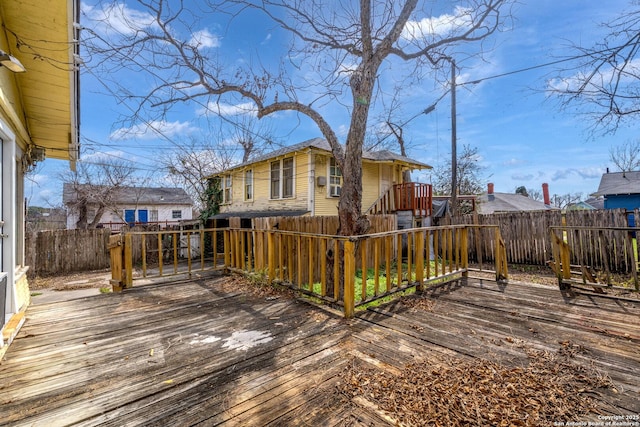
x: 36, y: 294
x: 370, y: 285
x: 105, y: 290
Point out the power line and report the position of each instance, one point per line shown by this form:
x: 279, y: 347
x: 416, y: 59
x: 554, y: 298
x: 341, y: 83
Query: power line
x: 546, y: 64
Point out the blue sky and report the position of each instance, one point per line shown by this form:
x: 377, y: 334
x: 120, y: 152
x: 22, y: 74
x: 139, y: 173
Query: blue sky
x: 522, y: 137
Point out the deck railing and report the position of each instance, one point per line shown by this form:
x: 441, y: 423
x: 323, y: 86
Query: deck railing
x: 410, y: 196
x: 343, y: 271
x: 598, y: 257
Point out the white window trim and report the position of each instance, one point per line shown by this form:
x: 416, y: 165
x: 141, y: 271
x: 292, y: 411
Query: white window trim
x: 225, y: 200
x: 329, y: 184
x: 245, y: 184
x: 281, y: 175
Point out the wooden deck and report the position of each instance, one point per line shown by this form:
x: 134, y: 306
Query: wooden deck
x: 196, y: 353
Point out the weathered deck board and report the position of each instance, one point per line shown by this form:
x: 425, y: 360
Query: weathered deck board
x: 163, y: 354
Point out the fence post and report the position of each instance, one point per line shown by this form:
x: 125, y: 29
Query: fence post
x: 226, y: 249
x: 501, y: 257
x: 128, y: 261
x: 349, y: 278
x: 464, y: 251
x: 419, y: 239
x: 115, y: 252
x: 271, y: 259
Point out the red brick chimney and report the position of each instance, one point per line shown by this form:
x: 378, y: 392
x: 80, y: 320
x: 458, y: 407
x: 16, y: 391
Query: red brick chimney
x: 490, y: 188
x: 545, y: 194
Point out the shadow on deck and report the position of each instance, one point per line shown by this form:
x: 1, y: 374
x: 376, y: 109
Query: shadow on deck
x: 204, y: 352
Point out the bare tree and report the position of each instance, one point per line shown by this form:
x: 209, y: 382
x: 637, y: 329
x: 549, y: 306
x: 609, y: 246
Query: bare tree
x: 344, y: 44
x: 535, y: 194
x: 195, y: 159
x: 562, y: 201
x: 605, y: 85
x: 626, y: 156
x: 470, y: 174
x: 91, y: 189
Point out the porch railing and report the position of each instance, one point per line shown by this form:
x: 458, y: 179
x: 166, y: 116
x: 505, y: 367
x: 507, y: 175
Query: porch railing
x: 410, y: 196
x: 346, y: 272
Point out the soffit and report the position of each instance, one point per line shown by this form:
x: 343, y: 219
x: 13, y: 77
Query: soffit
x: 41, y: 35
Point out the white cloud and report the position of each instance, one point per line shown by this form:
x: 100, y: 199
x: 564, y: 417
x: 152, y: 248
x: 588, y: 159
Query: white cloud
x: 118, y: 18
x: 604, y: 75
x: 203, y: 38
x: 266, y: 39
x: 102, y: 156
x: 347, y: 69
x: 514, y: 162
x: 583, y: 173
x: 152, y: 130
x: 438, y: 25
x: 38, y: 178
x: 229, y: 109
x: 522, y: 177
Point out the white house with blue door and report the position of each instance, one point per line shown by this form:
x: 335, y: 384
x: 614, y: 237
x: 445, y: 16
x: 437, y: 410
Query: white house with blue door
x: 125, y: 205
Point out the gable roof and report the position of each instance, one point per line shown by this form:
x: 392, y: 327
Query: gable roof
x: 614, y: 183
x: 322, y: 144
x: 508, y: 202
x: 136, y: 195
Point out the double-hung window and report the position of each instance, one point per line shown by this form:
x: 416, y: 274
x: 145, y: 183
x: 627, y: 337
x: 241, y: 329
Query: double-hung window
x: 227, y: 189
x: 335, y: 179
x: 248, y: 184
x: 282, y: 178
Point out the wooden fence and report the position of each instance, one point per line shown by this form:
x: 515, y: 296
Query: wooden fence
x: 614, y: 263
x: 65, y: 251
x: 526, y: 234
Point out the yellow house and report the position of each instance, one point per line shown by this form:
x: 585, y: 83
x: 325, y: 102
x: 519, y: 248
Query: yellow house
x: 38, y: 117
x: 303, y: 179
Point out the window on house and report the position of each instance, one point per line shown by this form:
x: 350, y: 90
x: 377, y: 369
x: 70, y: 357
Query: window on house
x: 275, y: 180
x: 153, y: 215
x: 248, y: 184
x: 287, y: 177
x: 227, y: 190
x: 335, y: 178
x: 176, y: 214
x: 282, y: 178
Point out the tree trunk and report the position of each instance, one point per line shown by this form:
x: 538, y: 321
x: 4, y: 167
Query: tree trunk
x: 351, y: 222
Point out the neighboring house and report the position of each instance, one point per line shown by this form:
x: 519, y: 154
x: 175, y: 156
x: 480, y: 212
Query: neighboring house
x: 590, y: 204
x: 39, y: 108
x: 303, y: 179
x: 621, y: 190
x: 126, y: 205
x: 596, y: 202
x: 493, y: 202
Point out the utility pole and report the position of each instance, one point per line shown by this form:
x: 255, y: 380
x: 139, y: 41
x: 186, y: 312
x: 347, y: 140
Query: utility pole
x: 454, y: 144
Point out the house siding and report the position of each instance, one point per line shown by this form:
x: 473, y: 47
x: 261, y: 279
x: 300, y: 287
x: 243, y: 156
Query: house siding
x: 370, y: 184
x: 165, y: 213
x: 262, y: 185
x: 626, y: 201
x: 311, y: 165
x: 325, y: 204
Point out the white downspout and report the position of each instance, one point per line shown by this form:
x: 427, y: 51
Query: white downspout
x: 311, y: 191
